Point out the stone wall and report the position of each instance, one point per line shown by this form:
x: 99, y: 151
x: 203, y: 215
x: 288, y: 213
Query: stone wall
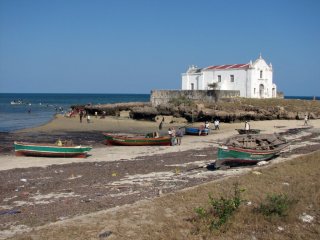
x: 158, y: 97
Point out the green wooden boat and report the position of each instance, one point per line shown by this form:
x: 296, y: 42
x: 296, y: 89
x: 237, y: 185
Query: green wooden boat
x: 250, y: 149
x: 127, y: 140
x: 50, y: 150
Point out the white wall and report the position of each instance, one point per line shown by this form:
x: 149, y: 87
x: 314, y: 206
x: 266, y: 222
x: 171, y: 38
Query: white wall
x: 247, y: 81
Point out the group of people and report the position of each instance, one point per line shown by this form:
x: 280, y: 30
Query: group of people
x: 176, y: 136
x: 83, y: 114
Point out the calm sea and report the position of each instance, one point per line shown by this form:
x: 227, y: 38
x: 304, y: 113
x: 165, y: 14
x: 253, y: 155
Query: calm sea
x: 37, y: 109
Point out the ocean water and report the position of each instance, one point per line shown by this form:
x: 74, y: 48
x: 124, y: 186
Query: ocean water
x: 38, y: 109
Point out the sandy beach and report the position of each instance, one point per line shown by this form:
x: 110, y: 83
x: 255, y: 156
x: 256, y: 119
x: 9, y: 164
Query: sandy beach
x: 71, y: 128
x: 115, y: 179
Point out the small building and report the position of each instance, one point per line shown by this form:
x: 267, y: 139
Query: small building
x: 253, y: 79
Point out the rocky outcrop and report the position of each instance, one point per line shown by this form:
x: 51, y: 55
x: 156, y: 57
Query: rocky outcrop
x: 226, y: 111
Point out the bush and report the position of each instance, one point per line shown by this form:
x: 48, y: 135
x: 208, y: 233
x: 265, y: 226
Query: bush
x: 275, y: 205
x: 181, y: 101
x: 220, y: 209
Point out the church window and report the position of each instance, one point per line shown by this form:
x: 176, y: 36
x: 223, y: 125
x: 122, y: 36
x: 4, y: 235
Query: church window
x: 254, y: 91
x: 261, y: 74
x: 219, y: 78
x: 232, y: 78
x: 192, y: 86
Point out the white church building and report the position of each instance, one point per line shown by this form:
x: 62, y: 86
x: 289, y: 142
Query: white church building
x: 253, y: 79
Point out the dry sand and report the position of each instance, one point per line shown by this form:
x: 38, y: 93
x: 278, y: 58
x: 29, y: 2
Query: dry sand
x: 112, y: 218
x: 113, y: 153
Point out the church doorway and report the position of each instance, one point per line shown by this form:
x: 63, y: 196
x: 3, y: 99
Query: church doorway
x: 274, y: 92
x: 261, y: 91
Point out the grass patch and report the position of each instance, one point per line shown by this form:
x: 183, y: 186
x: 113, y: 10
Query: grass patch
x: 275, y: 205
x: 220, y: 210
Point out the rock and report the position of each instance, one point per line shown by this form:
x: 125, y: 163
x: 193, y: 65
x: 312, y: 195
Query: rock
x: 261, y: 163
x: 124, y: 114
x: 105, y: 234
x: 306, y: 218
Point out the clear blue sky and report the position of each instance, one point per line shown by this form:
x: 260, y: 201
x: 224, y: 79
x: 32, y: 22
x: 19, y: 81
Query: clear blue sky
x: 134, y: 46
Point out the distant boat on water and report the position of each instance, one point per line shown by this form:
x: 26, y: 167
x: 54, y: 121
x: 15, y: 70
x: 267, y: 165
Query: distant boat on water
x: 16, y: 102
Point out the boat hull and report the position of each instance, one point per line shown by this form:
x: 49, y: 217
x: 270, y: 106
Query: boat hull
x: 195, y: 131
x: 250, y: 131
x: 48, y: 150
x: 136, y: 141
x: 234, y: 155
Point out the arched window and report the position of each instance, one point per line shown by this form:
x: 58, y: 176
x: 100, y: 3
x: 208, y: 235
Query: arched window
x: 261, y: 74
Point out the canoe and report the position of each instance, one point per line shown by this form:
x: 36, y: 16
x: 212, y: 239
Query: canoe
x: 250, y: 149
x: 250, y: 131
x: 50, y: 150
x: 195, y: 131
x: 126, y: 140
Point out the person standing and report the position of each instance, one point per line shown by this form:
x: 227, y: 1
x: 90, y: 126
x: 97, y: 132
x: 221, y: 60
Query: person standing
x: 247, y: 126
x: 216, y: 124
x: 172, y: 135
x: 88, y: 118
x: 81, y: 116
x: 305, y: 120
x: 179, y: 136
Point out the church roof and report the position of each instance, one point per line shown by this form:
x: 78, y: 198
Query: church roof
x: 228, y: 66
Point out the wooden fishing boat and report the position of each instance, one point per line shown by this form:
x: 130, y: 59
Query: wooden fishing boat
x: 250, y: 131
x: 196, y: 130
x: 50, y: 150
x: 135, y: 140
x: 250, y: 149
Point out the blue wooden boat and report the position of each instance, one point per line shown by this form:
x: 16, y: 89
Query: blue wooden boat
x: 196, y: 130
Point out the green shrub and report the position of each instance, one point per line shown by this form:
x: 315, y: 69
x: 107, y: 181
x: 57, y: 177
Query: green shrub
x: 220, y: 209
x: 275, y: 205
x: 181, y: 101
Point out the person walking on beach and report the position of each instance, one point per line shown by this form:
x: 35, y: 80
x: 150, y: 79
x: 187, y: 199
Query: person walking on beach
x: 81, y: 116
x: 216, y: 124
x: 305, y: 120
x: 88, y: 118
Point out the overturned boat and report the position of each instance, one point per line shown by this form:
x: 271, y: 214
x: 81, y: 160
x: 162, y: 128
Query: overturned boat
x: 250, y: 149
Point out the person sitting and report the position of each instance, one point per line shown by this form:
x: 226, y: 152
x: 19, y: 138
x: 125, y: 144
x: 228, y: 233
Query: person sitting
x: 59, y: 142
